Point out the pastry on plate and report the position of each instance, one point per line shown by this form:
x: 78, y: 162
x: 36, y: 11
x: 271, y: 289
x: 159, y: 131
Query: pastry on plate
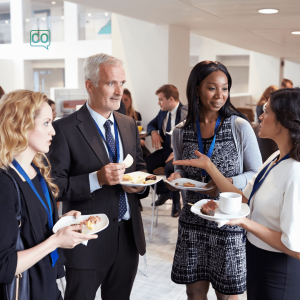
x: 126, y: 177
x: 150, y: 177
x: 188, y: 184
x: 209, y: 208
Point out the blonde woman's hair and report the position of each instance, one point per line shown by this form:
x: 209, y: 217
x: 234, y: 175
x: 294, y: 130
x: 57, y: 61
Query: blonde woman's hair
x: 18, y: 111
x: 266, y: 95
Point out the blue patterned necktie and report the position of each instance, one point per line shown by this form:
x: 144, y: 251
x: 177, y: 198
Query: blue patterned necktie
x: 111, y: 143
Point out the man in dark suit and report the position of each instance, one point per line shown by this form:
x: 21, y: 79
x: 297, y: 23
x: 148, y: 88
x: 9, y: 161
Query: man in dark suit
x: 168, y: 117
x: 86, y: 157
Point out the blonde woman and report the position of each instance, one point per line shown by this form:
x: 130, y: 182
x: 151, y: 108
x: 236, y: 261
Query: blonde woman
x: 25, y: 135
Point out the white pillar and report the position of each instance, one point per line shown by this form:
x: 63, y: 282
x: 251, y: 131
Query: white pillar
x: 71, y: 72
x: 71, y: 36
x: 179, y: 59
x: 16, y: 18
x: 264, y: 70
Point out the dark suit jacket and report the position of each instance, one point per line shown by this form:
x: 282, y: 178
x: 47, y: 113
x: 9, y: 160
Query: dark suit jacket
x: 156, y: 123
x: 77, y: 149
x: 31, y: 232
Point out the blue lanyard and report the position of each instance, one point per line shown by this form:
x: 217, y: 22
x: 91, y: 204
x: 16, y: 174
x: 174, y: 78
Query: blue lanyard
x: 111, y: 154
x: 200, y: 144
x: 258, y: 182
x: 54, y: 254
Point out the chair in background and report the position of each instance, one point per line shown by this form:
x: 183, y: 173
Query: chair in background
x: 248, y: 112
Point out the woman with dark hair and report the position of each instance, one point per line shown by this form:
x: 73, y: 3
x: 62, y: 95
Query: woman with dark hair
x: 204, y: 252
x: 273, y: 194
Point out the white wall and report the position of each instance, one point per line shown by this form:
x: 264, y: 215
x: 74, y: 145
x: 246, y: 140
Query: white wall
x: 153, y: 55
x: 264, y: 71
x: 143, y: 47
x: 292, y: 72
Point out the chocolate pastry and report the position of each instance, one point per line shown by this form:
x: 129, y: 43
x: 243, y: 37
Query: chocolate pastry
x: 209, y: 208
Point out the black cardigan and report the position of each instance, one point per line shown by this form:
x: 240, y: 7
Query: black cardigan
x: 31, y: 233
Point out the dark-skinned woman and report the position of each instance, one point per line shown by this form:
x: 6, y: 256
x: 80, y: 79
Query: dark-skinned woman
x: 204, y: 252
x: 272, y: 228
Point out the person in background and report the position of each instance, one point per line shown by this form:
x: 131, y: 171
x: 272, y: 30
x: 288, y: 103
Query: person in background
x: 86, y: 156
x: 264, y: 99
x: 160, y: 129
x: 266, y: 146
x: 25, y: 136
x: 1, y: 92
x: 273, y: 194
x: 286, y: 83
x: 52, y: 105
x: 131, y: 112
x: 204, y: 252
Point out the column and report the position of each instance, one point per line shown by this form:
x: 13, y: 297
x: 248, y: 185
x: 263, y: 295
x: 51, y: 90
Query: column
x: 71, y: 36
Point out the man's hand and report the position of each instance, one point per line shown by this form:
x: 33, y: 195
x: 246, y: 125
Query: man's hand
x: 156, y: 140
x: 142, y: 143
x: 133, y: 189
x: 172, y: 177
x: 171, y: 157
x: 111, y: 174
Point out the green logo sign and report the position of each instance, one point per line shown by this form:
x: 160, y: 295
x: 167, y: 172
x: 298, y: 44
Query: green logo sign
x: 40, y: 38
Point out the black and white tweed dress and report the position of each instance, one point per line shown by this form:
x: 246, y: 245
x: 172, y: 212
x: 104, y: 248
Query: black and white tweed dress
x: 204, y: 251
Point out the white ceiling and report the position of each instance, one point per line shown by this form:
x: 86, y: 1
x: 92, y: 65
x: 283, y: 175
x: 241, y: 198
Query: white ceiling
x: 235, y: 22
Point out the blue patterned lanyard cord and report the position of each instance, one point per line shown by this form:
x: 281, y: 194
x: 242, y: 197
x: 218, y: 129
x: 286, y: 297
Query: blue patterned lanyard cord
x: 200, y: 143
x: 261, y: 178
x: 53, y: 254
x: 113, y: 148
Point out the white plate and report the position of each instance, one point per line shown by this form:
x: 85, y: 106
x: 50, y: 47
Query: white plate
x: 219, y: 215
x: 143, y: 132
x: 139, y: 175
x: 197, y: 188
x: 69, y: 220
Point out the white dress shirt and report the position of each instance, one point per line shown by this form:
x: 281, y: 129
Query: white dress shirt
x: 94, y: 183
x: 276, y: 204
x: 173, y: 119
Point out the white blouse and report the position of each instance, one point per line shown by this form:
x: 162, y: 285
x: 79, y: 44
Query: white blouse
x: 276, y: 204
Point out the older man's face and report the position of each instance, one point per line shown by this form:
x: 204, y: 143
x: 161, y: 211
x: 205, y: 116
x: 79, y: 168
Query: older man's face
x: 107, y: 96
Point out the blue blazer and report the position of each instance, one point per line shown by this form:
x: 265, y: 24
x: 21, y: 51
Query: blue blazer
x: 156, y: 123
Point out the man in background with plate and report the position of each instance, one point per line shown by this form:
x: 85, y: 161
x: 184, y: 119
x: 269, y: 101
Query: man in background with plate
x: 168, y: 117
x: 86, y: 157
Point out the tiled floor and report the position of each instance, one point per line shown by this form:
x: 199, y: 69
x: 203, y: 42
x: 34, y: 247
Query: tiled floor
x: 158, y: 285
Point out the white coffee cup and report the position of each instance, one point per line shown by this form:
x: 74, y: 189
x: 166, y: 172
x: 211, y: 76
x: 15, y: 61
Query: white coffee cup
x: 230, y: 203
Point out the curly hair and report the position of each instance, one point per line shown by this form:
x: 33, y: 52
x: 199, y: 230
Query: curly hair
x: 18, y: 111
x: 286, y: 105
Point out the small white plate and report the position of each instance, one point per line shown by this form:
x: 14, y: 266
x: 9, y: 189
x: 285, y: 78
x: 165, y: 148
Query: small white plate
x: 219, y: 215
x: 143, y: 132
x: 197, y: 188
x: 139, y: 175
x: 69, y: 220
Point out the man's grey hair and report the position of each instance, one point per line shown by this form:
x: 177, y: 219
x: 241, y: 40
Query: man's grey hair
x: 92, y: 65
